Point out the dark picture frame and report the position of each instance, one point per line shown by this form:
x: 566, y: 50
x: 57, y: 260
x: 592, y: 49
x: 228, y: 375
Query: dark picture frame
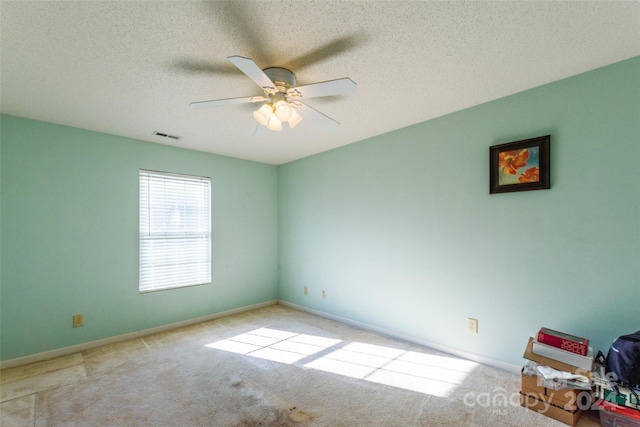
x: 520, y: 165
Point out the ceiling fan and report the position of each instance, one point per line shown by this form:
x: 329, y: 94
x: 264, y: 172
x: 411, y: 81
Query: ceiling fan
x: 283, y: 100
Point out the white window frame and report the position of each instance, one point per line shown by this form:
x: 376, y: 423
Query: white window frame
x: 175, y: 230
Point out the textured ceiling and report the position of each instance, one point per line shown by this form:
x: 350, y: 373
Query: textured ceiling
x: 132, y: 68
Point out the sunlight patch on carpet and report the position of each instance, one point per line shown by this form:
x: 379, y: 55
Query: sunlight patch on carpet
x: 275, y: 345
x: 410, y: 370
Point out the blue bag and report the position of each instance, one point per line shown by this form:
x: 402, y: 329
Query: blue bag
x: 623, y: 361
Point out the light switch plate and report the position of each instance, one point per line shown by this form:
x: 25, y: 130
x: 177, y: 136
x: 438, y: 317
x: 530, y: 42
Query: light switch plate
x: 472, y: 325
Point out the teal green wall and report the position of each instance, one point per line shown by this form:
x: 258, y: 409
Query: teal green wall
x: 69, y: 229
x: 401, y: 232
x: 400, y: 229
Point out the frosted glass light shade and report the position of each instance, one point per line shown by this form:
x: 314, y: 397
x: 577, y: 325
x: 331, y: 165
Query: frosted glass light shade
x: 263, y: 114
x: 274, y: 124
x: 283, y: 110
x: 295, y: 118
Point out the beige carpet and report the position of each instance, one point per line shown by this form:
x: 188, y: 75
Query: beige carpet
x: 273, y: 366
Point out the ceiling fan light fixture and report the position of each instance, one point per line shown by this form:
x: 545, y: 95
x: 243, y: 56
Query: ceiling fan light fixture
x: 282, y: 97
x: 274, y: 124
x: 295, y: 118
x: 263, y: 114
x: 283, y: 110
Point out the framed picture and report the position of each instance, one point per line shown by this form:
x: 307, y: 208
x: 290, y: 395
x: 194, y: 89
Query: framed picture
x: 520, y: 166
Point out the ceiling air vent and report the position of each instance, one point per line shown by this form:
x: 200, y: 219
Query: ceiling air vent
x: 166, y: 135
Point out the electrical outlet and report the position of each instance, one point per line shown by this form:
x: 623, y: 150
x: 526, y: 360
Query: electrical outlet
x: 472, y: 325
x: 78, y: 320
x: 306, y: 290
x: 324, y: 293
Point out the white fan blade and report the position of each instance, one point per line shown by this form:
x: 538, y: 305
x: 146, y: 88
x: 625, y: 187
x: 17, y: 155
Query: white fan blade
x: 328, y: 88
x: 317, y: 117
x: 261, y: 131
x: 252, y: 71
x: 228, y: 101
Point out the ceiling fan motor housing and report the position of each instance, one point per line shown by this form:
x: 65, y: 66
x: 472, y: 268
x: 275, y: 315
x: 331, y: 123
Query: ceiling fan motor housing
x: 281, y: 77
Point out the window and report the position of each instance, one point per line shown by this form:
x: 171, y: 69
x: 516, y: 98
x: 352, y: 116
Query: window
x: 175, y: 231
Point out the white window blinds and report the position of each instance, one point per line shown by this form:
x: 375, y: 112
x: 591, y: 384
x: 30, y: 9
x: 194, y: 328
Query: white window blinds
x: 175, y: 231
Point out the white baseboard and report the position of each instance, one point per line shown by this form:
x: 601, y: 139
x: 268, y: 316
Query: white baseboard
x: 38, y: 357
x: 445, y: 349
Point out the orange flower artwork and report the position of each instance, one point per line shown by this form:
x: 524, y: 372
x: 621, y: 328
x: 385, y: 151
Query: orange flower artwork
x: 519, y: 165
x: 510, y: 161
x: 530, y: 175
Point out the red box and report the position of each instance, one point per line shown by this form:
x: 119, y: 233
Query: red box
x: 564, y: 341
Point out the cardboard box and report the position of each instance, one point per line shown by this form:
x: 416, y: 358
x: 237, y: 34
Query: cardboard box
x: 530, y: 355
x: 567, y: 398
x: 568, y: 417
